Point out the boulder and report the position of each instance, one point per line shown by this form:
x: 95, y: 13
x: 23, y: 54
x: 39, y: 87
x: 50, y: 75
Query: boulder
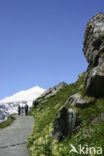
x: 95, y: 82
x: 64, y: 123
x: 79, y: 101
x: 94, y: 39
x: 94, y: 53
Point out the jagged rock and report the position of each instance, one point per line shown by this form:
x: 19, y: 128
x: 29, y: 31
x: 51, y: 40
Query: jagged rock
x: 95, y: 82
x: 79, y: 101
x: 93, y: 39
x: 49, y: 93
x: 64, y: 123
x: 94, y: 53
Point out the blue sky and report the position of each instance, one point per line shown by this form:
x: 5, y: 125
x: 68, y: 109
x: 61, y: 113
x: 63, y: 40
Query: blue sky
x: 41, y: 42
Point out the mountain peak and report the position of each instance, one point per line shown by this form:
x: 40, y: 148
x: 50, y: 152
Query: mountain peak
x: 9, y: 105
x: 24, y: 95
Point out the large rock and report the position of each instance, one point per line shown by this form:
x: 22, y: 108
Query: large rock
x: 95, y: 82
x: 49, y: 93
x: 79, y: 101
x: 64, y: 123
x: 94, y: 53
x: 94, y: 38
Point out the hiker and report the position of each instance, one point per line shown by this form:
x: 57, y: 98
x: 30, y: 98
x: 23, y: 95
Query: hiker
x: 22, y: 109
x: 19, y: 110
x: 26, y: 110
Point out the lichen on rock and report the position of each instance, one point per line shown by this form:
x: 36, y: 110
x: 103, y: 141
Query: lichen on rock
x: 79, y: 101
x: 94, y: 53
x: 64, y: 123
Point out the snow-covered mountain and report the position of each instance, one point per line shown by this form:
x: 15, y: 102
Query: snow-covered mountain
x: 9, y: 105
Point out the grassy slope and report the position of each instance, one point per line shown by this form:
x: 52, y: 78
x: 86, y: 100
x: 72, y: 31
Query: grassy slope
x: 8, y: 122
x: 40, y: 142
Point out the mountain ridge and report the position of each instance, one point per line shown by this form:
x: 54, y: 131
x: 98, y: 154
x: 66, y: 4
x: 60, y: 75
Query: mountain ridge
x: 9, y: 105
x: 21, y: 93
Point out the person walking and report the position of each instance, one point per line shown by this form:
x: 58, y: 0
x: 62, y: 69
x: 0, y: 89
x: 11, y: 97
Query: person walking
x: 26, y: 110
x: 19, y: 110
x: 22, y: 109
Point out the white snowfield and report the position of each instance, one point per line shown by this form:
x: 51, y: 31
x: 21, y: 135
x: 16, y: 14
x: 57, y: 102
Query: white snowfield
x: 10, y: 104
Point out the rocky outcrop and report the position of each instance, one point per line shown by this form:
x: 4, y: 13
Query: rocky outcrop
x: 95, y: 81
x: 94, y: 53
x: 49, y: 93
x: 79, y: 101
x: 93, y: 39
x: 66, y: 119
x: 64, y: 123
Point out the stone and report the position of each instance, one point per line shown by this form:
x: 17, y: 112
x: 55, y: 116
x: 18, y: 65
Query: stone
x: 64, y: 123
x: 79, y: 101
x: 93, y: 39
x: 94, y: 52
x: 95, y: 82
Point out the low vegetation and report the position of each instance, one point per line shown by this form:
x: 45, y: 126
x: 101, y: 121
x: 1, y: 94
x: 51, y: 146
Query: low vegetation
x: 91, y: 133
x: 8, y: 122
x: 101, y: 54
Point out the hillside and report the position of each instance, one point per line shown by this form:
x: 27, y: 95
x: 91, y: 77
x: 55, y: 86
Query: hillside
x: 71, y: 121
x: 91, y: 119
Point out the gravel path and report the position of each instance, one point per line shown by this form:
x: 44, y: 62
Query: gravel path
x: 13, y: 139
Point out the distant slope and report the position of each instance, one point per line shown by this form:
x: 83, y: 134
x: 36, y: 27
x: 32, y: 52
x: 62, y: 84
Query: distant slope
x: 9, y: 105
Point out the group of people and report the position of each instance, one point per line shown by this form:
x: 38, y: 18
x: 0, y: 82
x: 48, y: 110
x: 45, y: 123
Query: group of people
x: 23, y: 109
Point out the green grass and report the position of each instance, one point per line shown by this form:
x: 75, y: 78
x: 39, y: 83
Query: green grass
x: 41, y: 142
x: 8, y: 122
